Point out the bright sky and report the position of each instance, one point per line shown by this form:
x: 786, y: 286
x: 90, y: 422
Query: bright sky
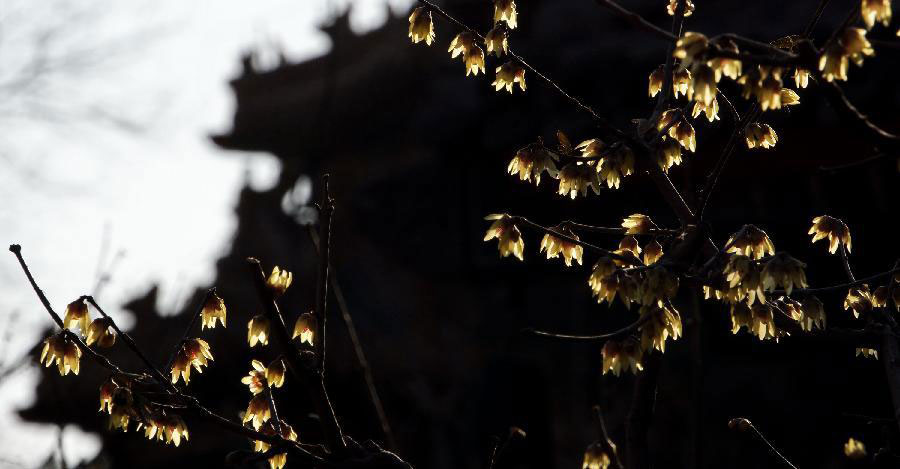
x: 163, y: 195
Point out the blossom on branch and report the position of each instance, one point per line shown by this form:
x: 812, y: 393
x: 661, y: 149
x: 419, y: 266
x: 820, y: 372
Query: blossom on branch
x: 258, y: 330
x: 532, y: 160
x: 305, y: 328
x: 213, y: 309
x: 421, y: 27
x: 760, y: 136
x: 100, y: 333
x: 497, y: 40
x: 621, y: 356
x: 193, y: 353
x: 557, y: 246
x: 507, y: 234
x: 258, y: 411
x: 279, y: 280
x: 508, y: 75
x: 505, y: 10
x: 77, y: 315
x: 464, y: 44
x: 62, y: 350
x: 832, y: 228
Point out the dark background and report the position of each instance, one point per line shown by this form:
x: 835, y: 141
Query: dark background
x: 417, y: 155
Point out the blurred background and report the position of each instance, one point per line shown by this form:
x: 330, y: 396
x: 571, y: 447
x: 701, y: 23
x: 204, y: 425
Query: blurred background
x: 148, y: 148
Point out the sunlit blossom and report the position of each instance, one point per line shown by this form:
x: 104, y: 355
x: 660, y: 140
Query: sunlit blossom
x: 421, y: 28
x: 509, y: 238
x: 194, y: 353
x: 508, y: 75
x: 62, y: 350
x: 305, y: 328
x: 258, y: 330
x: 835, y: 230
x: 555, y: 246
x: 213, y: 309
x: 99, y: 332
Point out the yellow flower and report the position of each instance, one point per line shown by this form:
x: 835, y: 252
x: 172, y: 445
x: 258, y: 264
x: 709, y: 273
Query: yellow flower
x: 121, y: 409
x: 279, y: 280
x: 724, y: 66
x: 509, y: 238
x: 577, y: 178
x: 64, y: 351
x: 703, y: 86
x: 801, y: 78
x: 77, y: 315
x: 616, y: 165
x: 751, y: 241
x: 832, y: 228
x: 880, y: 297
x: 618, y: 282
x: 305, y: 328
x: 256, y: 379
x: 630, y: 244
x: 497, y: 40
x: 867, y: 353
x: 175, y: 429
x: 652, y: 252
x: 812, y: 314
x: 638, y: 224
x: 679, y: 128
x: 661, y: 324
x: 690, y: 47
x: 258, y: 411
x: 876, y: 10
x: 769, y: 93
x: 762, y: 322
x: 833, y: 63
x: 508, y: 75
x: 658, y: 285
x: 275, y: 373
x: 711, y: 110
x: 99, y: 332
x: 668, y: 153
x: 505, y: 10
x: 464, y: 44
x: 420, y: 26
x: 258, y: 330
x: 604, y: 267
x: 556, y: 246
x: 656, y: 81
x: 744, y: 280
x: 213, y: 309
x: 858, y: 299
x: 596, y: 457
x: 785, y: 271
x: 789, y: 97
x: 673, y: 5
x: 681, y: 81
x: 275, y: 427
x: 854, y: 449
x: 106, y: 395
x: 621, y: 356
x: 532, y: 160
x: 760, y: 136
x: 193, y: 353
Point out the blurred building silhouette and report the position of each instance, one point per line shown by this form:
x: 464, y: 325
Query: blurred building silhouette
x: 417, y: 156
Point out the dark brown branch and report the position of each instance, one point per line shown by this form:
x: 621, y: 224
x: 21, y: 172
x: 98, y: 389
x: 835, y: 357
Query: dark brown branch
x: 163, y: 381
x: 637, y: 423
x: 102, y: 360
x: 619, y: 230
x: 854, y: 164
x: 883, y: 139
x: 524, y: 221
x: 190, y: 327
x: 579, y: 104
x: 358, y: 349
x: 326, y: 209
x: 807, y: 31
x: 636, y: 20
x: 713, y: 178
x: 601, y: 423
x: 846, y: 263
x: 306, y: 373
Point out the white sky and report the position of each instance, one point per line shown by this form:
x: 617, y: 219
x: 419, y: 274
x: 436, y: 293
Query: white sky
x: 164, y: 194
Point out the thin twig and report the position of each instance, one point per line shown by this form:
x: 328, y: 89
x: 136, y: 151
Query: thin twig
x: 846, y: 262
x: 637, y: 20
x: 749, y: 425
x: 326, y: 209
x: 131, y: 344
x: 190, y: 327
x: 807, y: 31
x: 598, y: 414
x: 591, y: 338
x: 526, y: 222
x: 360, y: 353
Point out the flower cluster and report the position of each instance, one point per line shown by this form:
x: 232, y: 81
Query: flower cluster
x: 850, y: 45
x: 194, y: 353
